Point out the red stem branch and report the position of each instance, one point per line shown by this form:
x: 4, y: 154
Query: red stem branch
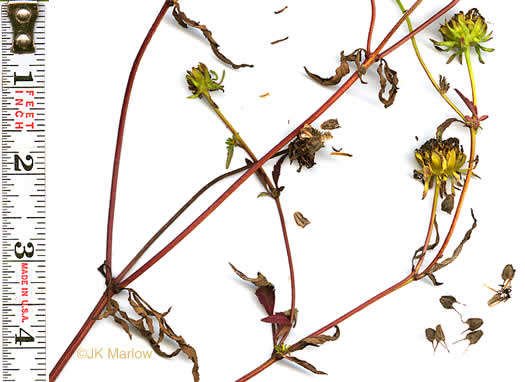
x: 120, y: 135
x: 371, y: 29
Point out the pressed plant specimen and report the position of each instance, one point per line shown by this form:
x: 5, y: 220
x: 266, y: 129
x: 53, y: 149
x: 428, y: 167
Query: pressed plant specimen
x: 440, y: 161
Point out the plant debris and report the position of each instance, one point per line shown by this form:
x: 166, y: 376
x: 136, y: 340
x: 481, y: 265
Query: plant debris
x: 145, y: 326
x: 504, y: 293
x: 455, y: 255
x: 230, y: 146
x: 330, y: 124
x: 389, y: 77
x: 264, y: 95
x: 280, y: 40
x: 306, y: 145
x: 444, y: 86
x: 440, y: 338
x: 356, y: 57
x: 473, y: 324
x: 281, y: 10
x: 472, y: 337
x: 185, y: 21
x: 300, y: 220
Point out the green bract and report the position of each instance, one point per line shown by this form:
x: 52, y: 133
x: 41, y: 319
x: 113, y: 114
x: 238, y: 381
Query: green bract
x: 202, y: 81
x: 464, y: 31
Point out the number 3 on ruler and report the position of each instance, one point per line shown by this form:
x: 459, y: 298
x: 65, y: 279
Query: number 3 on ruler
x: 20, y: 255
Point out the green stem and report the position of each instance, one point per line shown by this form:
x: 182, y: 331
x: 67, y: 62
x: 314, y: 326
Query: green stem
x: 425, y: 68
x: 471, y: 75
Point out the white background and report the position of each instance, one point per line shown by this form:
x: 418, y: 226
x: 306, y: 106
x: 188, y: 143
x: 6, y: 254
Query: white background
x: 366, y: 212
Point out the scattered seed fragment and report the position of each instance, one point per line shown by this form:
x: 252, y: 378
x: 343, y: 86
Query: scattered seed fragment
x: 417, y: 138
x: 300, y: 220
x: 280, y: 40
x: 341, y: 154
x: 440, y: 338
x: 264, y: 95
x: 473, y: 324
x: 281, y: 10
x: 472, y: 338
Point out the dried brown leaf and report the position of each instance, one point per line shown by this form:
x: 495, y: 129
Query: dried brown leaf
x: 444, y: 86
x: 456, y: 252
x: 300, y: 220
x: 340, y: 72
x: 259, y: 281
x: 430, y: 247
x: 147, y: 314
x: 389, y: 77
x: 185, y: 21
x: 315, y: 340
x: 308, y: 366
x: 445, y: 125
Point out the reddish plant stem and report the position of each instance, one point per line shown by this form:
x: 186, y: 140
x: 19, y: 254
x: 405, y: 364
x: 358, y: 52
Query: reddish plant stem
x: 120, y: 135
x: 366, y: 64
x: 418, y: 29
x: 372, y: 24
x: 101, y: 304
x: 78, y: 339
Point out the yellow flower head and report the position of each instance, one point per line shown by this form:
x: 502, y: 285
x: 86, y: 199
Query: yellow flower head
x: 440, y: 160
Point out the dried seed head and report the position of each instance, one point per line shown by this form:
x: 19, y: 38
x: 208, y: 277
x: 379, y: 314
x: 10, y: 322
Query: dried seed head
x: 474, y: 323
x: 306, y: 145
x: 440, y: 160
x: 330, y: 124
x: 508, y: 272
x: 448, y: 302
x: 464, y: 31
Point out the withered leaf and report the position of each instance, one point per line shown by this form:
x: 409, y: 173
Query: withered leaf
x: 148, y: 314
x: 473, y: 323
x: 447, y: 205
x: 259, y: 281
x: 508, y: 272
x: 265, y: 290
x: 308, y: 366
x: 389, y: 77
x: 430, y: 247
x: 456, y: 252
x: 315, y: 340
x: 184, y: 21
x: 300, y: 220
x: 330, y: 124
x: 444, y: 86
x: 445, y: 125
x: 340, y: 72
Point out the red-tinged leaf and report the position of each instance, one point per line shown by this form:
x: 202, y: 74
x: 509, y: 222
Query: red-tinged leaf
x: 473, y: 109
x: 276, y: 173
x: 266, y: 296
x: 277, y: 318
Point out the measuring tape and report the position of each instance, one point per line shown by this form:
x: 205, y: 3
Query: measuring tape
x: 23, y: 191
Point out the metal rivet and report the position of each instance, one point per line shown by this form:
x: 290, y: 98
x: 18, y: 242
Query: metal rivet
x: 23, y: 41
x: 23, y: 15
